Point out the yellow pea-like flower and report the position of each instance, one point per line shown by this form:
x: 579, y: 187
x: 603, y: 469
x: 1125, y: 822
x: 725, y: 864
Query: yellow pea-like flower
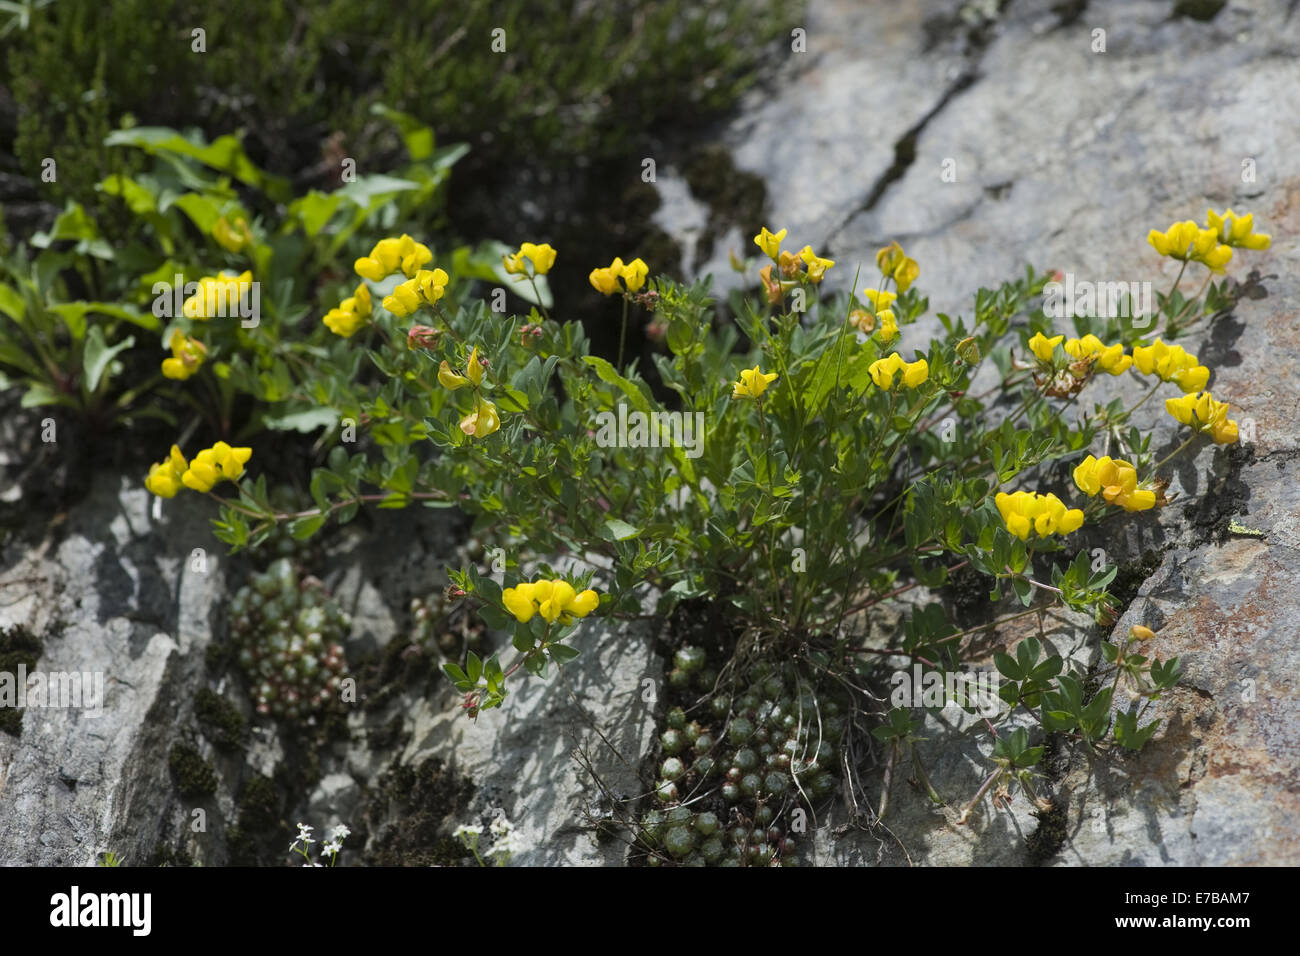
x: 1188, y: 242
x: 1202, y: 413
x: 634, y: 274
x: 888, y: 326
x: 605, y: 281
x: 1116, y: 481
x: 187, y: 356
x: 1107, y: 358
x: 883, y: 371
x: 404, y: 300
x: 880, y: 301
x: 753, y: 383
x: 553, y: 599
x: 815, y: 264
x: 432, y: 284
x: 1171, y: 363
x: 164, y: 478
x: 541, y: 256
x: 770, y: 242
x: 216, y: 295
x: 1234, y: 230
x: 415, y: 256
x: 1043, y: 347
x: 234, y: 238
x: 905, y: 274
x: 1044, y: 515
x: 889, y: 258
x: 481, y: 422
x: 215, y: 464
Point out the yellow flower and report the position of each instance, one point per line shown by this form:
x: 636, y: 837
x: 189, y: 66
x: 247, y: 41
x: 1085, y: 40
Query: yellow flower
x: 542, y: 257
x: 879, y: 300
x: 384, y: 259
x: 359, y: 302
x: 404, y: 299
x: 753, y: 383
x: 605, y: 281
x: 1172, y: 364
x: 883, y: 371
x: 905, y: 274
x: 414, y: 255
x: 634, y: 274
x: 234, y: 237
x: 1188, y: 242
x: 553, y: 599
x: 216, y: 295
x: 187, y: 356
x: 514, y: 264
x: 1043, y: 347
x: 1140, y: 632
x: 1026, y: 511
x: 1116, y: 480
x: 817, y: 266
x: 889, y: 258
x: 215, y: 464
x: 481, y: 422
x: 1234, y: 230
x: 473, y: 373
x: 1108, y: 358
x: 164, y: 478
x: 888, y: 326
x: 1203, y: 414
x: 432, y: 284
x: 770, y: 242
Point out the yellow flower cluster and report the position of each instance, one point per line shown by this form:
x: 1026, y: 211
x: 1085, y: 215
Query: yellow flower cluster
x: 210, y: 466
x: 555, y: 600
x: 484, y: 419
x: 187, y: 355
x: 884, y: 370
x: 880, y: 303
x: 542, y: 257
x: 788, y: 262
x: 1117, y: 482
x: 895, y: 264
x: 425, y: 287
x: 1108, y: 358
x: 606, y: 281
x: 389, y: 255
x: 1172, y: 364
x: 216, y: 295
x: 1234, y: 230
x: 753, y: 383
x: 1203, y: 414
x: 1188, y: 242
x: 1026, y: 511
x: 351, y: 314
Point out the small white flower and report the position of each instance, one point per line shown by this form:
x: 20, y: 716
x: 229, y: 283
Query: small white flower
x: 501, y: 826
x: 329, y: 849
x: 467, y: 830
x: 304, y: 834
x: 340, y: 833
x: 311, y: 864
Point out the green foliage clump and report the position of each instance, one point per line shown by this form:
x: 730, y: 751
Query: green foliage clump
x: 194, y: 777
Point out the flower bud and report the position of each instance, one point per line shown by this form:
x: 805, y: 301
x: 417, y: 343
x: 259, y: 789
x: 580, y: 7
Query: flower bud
x: 968, y: 350
x: 422, y: 337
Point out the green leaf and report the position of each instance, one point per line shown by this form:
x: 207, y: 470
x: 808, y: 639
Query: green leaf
x: 561, y: 653
x: 617, y: 530
x: 473, y: 667
x: 98, y: 354
x: 417, y: 136
x: 225, y: 154
x: 304, y: 420
x: 304, y: 528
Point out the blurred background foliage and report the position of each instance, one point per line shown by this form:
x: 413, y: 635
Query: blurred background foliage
x: 581, y: 93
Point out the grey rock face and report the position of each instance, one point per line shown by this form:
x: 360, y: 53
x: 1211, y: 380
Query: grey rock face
x: 1063, y: 156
